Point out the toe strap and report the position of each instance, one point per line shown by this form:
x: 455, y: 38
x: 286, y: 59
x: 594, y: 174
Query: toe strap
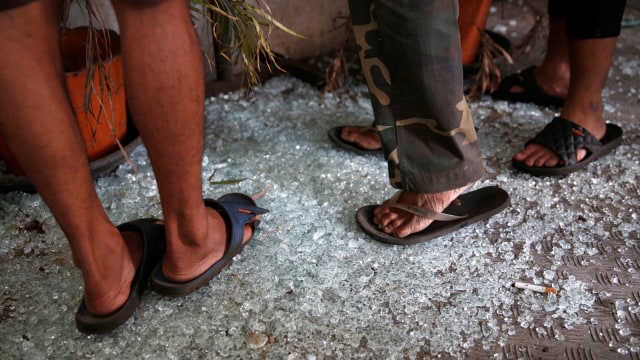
x: 422, y: 212
x: 426, y: 213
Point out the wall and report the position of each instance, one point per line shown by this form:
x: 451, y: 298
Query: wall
x: 318, y: 21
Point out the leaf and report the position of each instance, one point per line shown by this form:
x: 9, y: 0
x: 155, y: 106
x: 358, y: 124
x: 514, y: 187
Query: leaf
x: 227, y: 182
x: 223, y: 182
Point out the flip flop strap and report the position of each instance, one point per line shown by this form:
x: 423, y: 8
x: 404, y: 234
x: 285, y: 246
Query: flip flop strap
x: 422, y: 212
x: 151, y: 232
x: 564, y: 138
x: 528, y: 80
x: 236, y: 216
x: 525, y: 78
x: 532, y: 92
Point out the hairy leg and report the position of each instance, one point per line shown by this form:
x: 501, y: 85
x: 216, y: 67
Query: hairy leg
x: 590, y: 62
x: 165, y: 90
x: 39, y: 126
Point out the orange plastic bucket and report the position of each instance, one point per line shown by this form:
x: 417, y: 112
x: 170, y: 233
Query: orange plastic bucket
x: 100, y: 111
x: 101, y: 108
x: 471, y: 21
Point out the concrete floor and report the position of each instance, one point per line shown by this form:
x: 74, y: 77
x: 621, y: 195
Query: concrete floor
x: 311, y: 285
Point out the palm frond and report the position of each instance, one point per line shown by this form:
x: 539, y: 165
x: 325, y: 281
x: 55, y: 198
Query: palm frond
x: 489, y: 74
x: 337, y: 72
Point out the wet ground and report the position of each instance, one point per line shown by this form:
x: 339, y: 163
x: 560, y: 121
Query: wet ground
x: 311, y: 285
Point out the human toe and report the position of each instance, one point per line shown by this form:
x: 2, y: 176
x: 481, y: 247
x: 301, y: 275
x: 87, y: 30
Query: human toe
x: 383, y: 216
x: 349, y: 132
x: 391, y: 226
x: 534, y: 155
x: 402, y: 231
x: 546, y: 159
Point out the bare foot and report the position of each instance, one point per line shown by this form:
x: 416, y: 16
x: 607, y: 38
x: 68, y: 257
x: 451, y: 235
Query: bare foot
x: 365, y: 137
x: 107, y: 294
x: 400, y: 223
x: 190, y: 264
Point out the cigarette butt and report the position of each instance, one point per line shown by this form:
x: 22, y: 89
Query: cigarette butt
x: 536, y: 288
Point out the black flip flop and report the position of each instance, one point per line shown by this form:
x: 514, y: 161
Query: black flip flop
x: 467, y: 209
x: 237, y: 210
x: 334, y: 135
x: 565, y: 138
x: 532, y: 92
x: 153, y: 237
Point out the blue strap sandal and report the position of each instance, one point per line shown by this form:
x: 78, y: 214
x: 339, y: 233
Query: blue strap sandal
x: 153, y: 238
x: 237, y: 210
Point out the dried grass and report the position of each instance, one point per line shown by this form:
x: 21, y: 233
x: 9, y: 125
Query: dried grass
x: 241, y: 32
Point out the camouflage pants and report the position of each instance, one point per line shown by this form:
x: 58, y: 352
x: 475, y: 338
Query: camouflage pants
x: 411, y: 57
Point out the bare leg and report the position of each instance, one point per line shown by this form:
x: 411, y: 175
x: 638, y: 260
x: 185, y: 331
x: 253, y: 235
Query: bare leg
x: 165, y: 89
x: 39, y: 126
x: 590, y: 62
x: 554, y: 72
